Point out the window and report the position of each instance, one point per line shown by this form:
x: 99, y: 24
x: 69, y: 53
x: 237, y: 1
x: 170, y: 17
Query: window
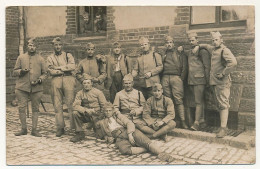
x: 92, y: 20
x: 212, y: 17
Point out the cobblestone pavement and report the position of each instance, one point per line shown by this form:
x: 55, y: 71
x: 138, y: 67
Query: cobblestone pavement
x: 51, y: 150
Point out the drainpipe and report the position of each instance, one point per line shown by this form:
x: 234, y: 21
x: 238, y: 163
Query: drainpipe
x: 21, y: 30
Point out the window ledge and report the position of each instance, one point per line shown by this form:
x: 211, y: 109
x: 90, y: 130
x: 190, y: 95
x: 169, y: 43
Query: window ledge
x: 216, y: 29
x: 92, y: 38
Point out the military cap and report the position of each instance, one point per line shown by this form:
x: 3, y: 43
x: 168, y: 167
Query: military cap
x: 168, y: 38
x: 157, y: 86
x: 108, y: 105
x: 215, y: 34
x: 143, y: 40
x: 32, y: 41
x: 128, y: 77
x: 86, y: 77
x: 192, y: 34
x: 55, y: 40
x: 116, y: 44
x: 90, y: 45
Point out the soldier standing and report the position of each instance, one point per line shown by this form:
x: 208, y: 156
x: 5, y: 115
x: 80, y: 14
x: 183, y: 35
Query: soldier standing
x: 158, y: 114
x: 60, y: 66
x: 117, y: 67
x: 130, y: 102
x: 198, y: 77
x: 31, y: 71
x: 94, y: 66
x: 147, y: 68
x: 173, y: 75
x: 223, y: 63
x: 88, y: 106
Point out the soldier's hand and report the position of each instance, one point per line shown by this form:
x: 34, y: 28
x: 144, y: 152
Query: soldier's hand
x: 159, y: 123
x: 38, y: 81
x: 219, y: 76
x: 147, y: 75
x: 109, y: 140
x: 131, y: 139
x: 23, y: 72
x: 90, y: 111
x: 154, y: 126
x: 132, y: 112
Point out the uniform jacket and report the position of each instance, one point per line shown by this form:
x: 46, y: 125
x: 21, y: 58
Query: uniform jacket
x: 220, y: 63
x: 148, y: 63
x: 111, y: 65
x: 162, y: 108
x: 181, y: 60
x: 199, y: 67
x: 93, y: 99
x: 129, y: 101
x: 38, y: 70
x: 64, y: 61
x: 120, y: 119
x: 92, y: 67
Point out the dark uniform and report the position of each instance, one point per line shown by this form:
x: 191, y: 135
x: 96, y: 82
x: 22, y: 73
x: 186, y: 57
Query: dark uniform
x: 147, y: 62
x: 60, y: 67
x: 173, y: 75
x: 117, y: 66
x: 31, y: 70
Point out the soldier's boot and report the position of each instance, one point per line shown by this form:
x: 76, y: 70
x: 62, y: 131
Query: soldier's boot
x: 78, y: 137
x: 23, y: 131
x: 180, y: 108
x: 164, y: 130
x: 222, y: 132
x: 60, y: 132
x: 34, y: 124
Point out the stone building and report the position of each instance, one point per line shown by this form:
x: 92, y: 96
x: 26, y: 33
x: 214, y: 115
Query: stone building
x: 127, y: 24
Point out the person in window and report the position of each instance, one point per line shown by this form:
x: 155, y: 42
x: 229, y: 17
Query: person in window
x: 60, y: 66
x: 158, y: 114
x: 198, y: 78
x: 100, y: 21
x: 223, y: 62
x: 31, y: 70
x: 93, y: 65
x: 173, y: 76
x: 87, y: 108
x: 117, y: 66
x: 85, y: 23
x: 147, y: 68
x: 128, y: 139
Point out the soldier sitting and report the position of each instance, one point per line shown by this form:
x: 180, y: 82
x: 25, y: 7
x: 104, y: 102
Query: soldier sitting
x: 128, y: 139
x: 87, y: 106
x: 158, y: 114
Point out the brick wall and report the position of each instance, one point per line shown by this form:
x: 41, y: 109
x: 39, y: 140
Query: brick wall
x: 71, y: 20
x: 183, y: 15
x: 12, y: 48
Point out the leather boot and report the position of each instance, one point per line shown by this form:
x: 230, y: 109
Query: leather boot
x: 162, y: 131
x: 180, y: 108
x: 60, y: 132
x: 78, y: 137
x: 183, y: 124
x: 21, y: 132
x: 35, y: 133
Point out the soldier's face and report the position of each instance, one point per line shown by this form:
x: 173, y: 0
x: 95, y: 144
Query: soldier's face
x: 193, y: 41
x: 217, y: 41
x: 87, y: 85
x: 109, y: 112
x: 169, y: 44
x: 117, y: 50
x: 57, y: 46
x: 145, y: 46
x: 128, y: 85
x: 90, y: 51
x: 157, y: 93
x: 31, y: 48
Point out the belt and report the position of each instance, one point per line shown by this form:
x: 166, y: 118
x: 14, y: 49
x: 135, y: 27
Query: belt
x: 64, y: 74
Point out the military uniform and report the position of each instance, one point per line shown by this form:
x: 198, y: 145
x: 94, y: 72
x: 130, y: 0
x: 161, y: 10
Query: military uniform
x: 85, y: 100
x: 62, y: 84
x: 25, y: 89
x: 174, y: 73
x: 148, y: 62
x: 161, y: 109
x: 119, y: 126
x: 116, y: 67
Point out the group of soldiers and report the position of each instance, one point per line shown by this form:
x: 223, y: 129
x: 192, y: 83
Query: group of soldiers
x: 138, y: 114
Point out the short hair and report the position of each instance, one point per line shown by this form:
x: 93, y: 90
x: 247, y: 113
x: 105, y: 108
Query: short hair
x: 55, y: 40
x: 108, y: 105
x: 90, y: 45
x: 157, y: 86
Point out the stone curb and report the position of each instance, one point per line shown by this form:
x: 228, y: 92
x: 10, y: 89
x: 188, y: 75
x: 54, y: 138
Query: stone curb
x: 245, y: 140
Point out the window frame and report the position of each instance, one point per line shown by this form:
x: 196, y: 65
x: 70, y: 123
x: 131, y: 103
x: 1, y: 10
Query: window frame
x: 218, y: 23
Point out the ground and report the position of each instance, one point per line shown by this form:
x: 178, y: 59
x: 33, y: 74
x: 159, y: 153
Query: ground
x: 52, y: 150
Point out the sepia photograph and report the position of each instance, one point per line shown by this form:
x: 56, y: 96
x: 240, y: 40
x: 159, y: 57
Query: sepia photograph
x: 130, y: 85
